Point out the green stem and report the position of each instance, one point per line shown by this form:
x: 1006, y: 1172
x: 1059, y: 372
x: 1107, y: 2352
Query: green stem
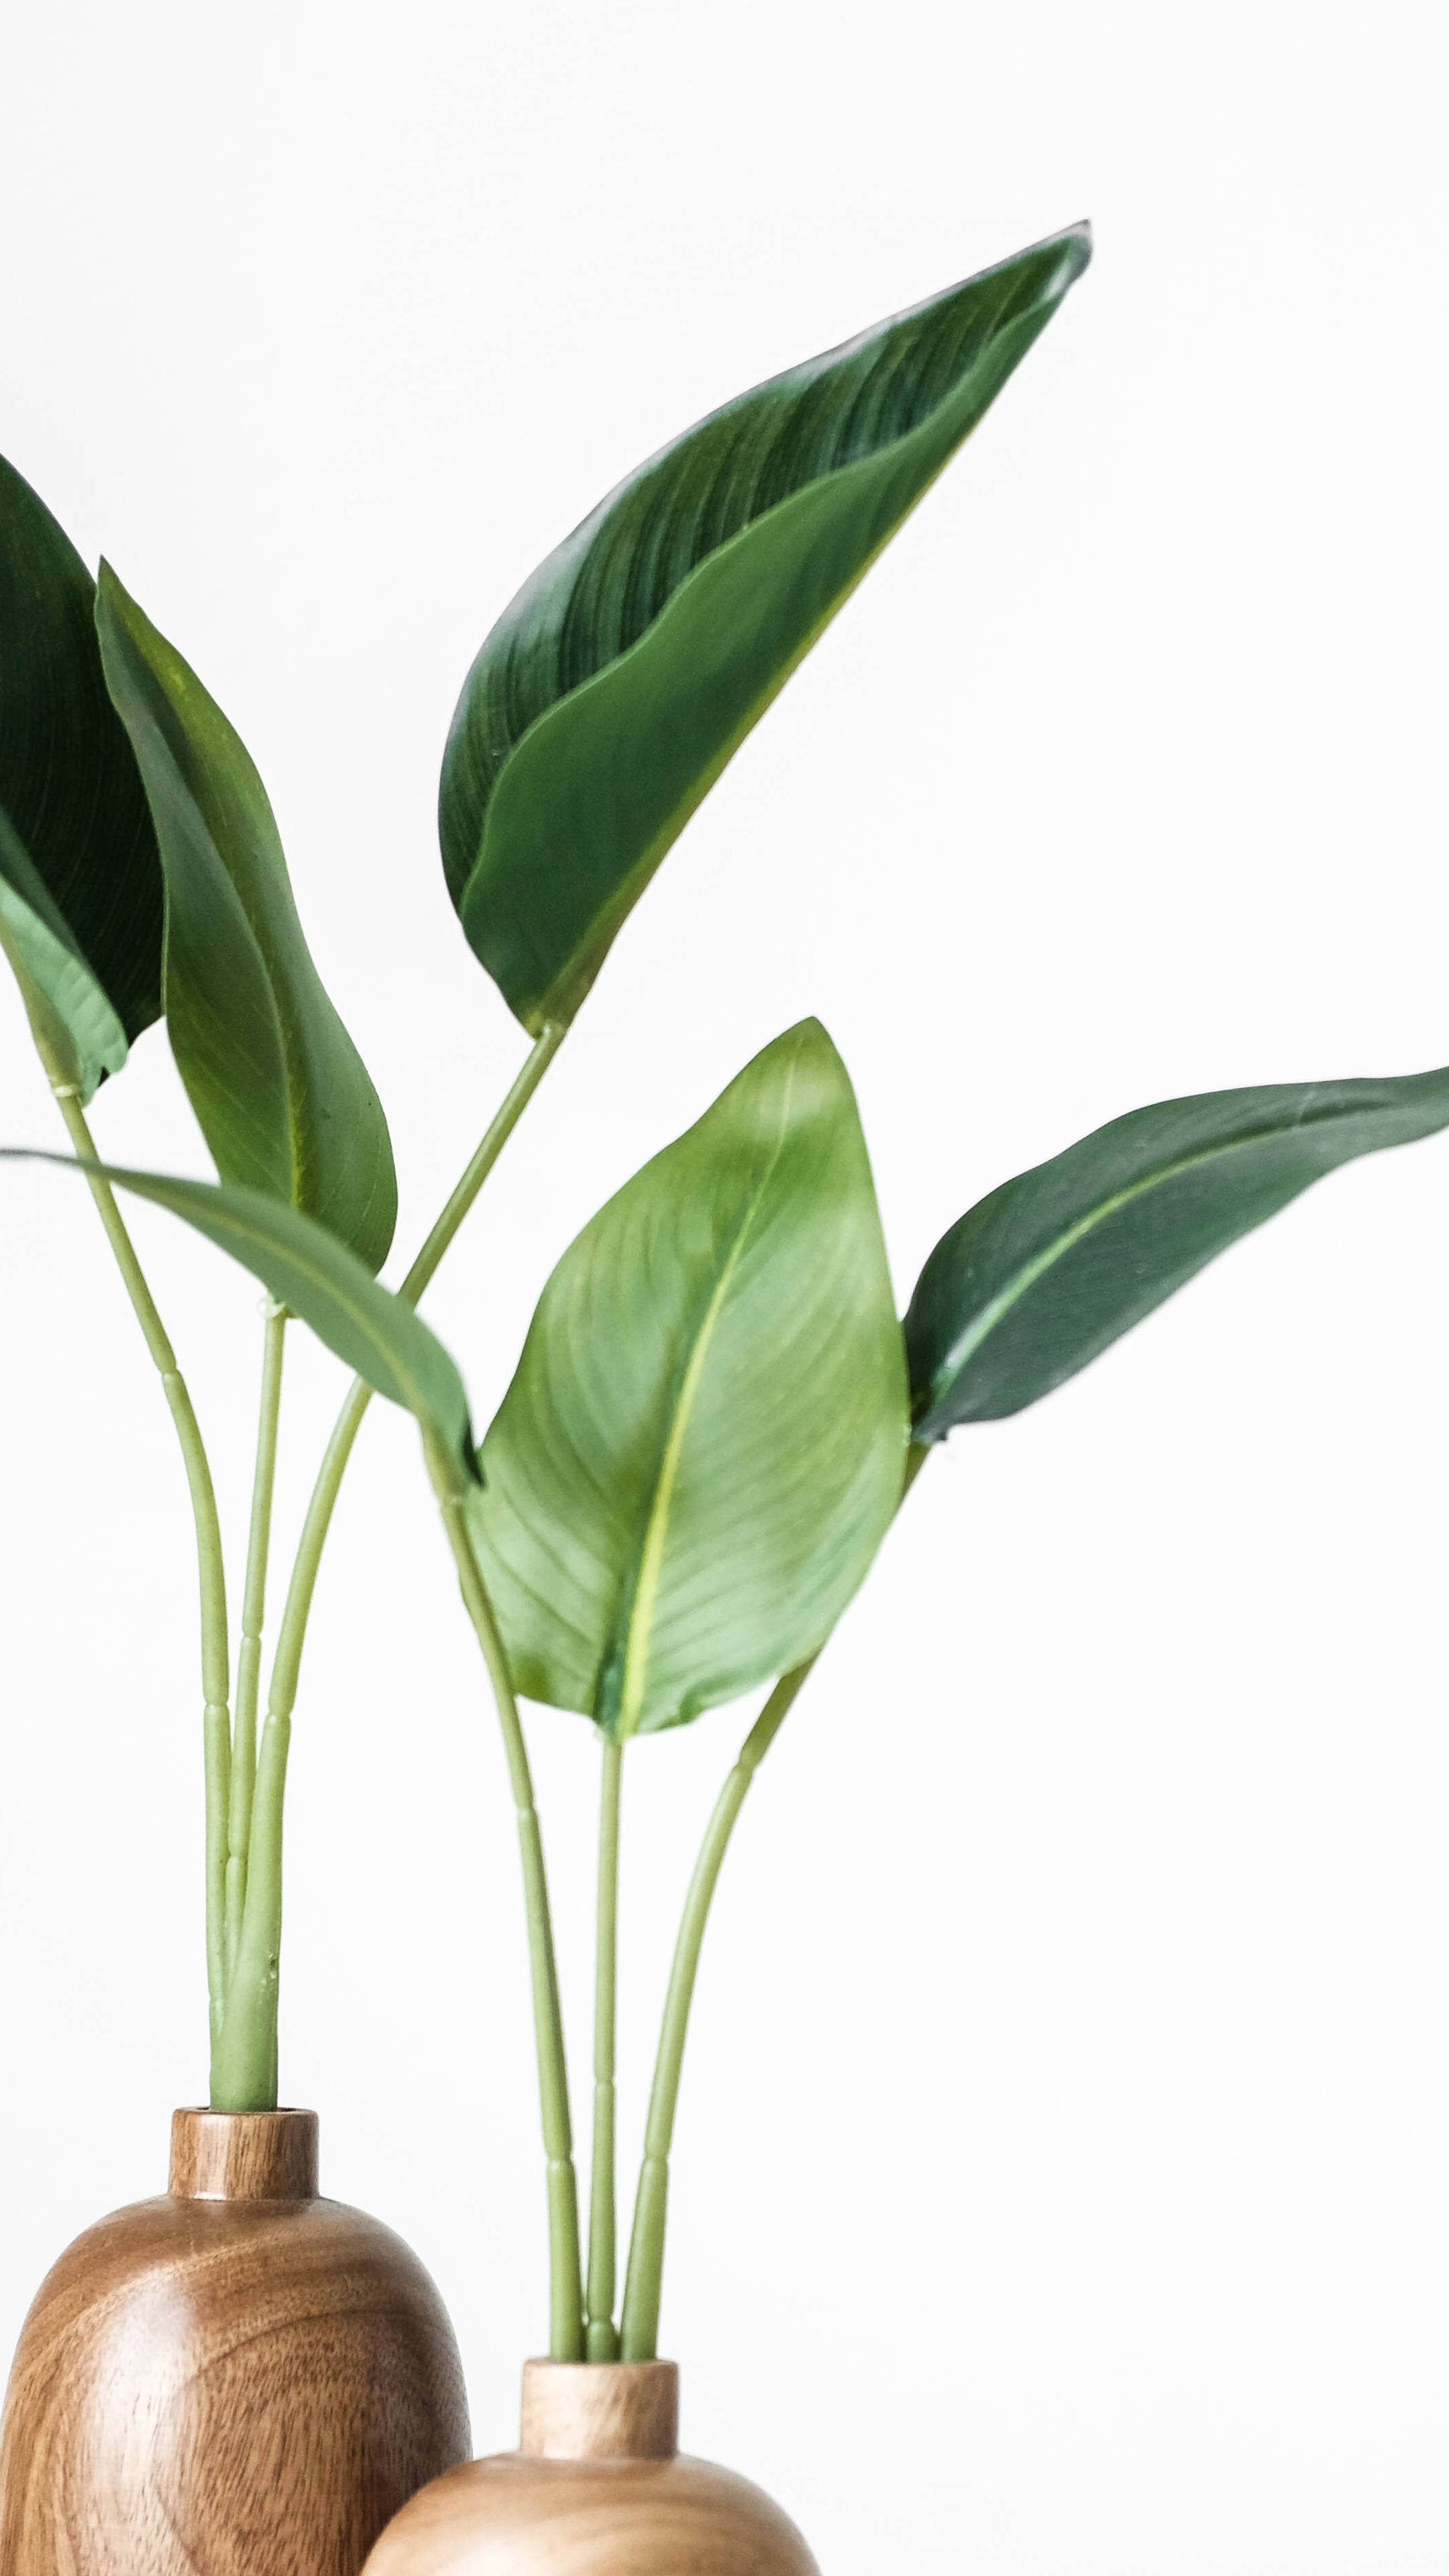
x: 244, y: 2067
x: 215, y: 1651
x: 530, y: 1074
x: 640, y: 2336
x: 291, y: 1635
x: 602, y: 2335
x: 249, y: 1652
x: 566, y: 2298
x: 244, y: 2060
x: 644, y: 2280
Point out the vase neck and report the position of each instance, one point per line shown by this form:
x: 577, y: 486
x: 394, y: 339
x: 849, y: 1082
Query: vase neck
x: 600, y: 2410
x: 244, y: 2155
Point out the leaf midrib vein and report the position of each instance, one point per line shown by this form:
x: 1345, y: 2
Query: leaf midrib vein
x: 1001, y: 1304
x: 651, y: 1562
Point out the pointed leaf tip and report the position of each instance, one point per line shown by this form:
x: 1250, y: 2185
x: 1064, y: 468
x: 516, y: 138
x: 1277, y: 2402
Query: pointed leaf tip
x: 625, y: 674
x: 1050, y: 1269
x: 279, y: 1090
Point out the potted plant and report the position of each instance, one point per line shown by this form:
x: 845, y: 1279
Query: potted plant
x: 717, y: 1413
x: 238, y: 2374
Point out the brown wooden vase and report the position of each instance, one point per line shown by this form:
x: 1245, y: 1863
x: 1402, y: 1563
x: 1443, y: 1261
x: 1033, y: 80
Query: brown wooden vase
x: 239, y: 2379
x: 597, y: 2487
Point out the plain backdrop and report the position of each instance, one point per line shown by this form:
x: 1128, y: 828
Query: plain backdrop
x: 1061, y: 2183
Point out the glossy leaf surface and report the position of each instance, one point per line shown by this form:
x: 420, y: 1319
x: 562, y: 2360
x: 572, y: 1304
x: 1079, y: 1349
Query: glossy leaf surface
x: 705, y: 1438
x: 611, y: 693
x: 1043, y: 1274
x: 279, y: 1090
x: 304, y: 1267
x: 80, y: 877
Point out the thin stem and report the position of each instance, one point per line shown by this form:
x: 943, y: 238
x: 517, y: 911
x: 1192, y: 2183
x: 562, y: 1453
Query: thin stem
x: 602, y: 2335
x: 644, y: 2281
x: 530, y: 1074
x: 244, y: 2066
x: 215, y: 1651
x: 249, y: 1652
x: 291, y: 1635
x: 566, y: 2302
x: 640, y: 2337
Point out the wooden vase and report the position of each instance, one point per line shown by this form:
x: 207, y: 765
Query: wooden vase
x: 597, y: 2487
x: 239, y: 2379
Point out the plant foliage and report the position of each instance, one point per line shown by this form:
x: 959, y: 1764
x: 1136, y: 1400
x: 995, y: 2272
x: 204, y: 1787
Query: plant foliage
x: 705, y: 1439
x: 279, y: 1090
x: 80, y: 876
x: 611, y: 693
x: 1044, y: 1273
x: 305, y: 1268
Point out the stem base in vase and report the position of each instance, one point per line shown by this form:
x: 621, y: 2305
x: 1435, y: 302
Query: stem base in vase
x: 237, y: 2379
x: 597, y: 2487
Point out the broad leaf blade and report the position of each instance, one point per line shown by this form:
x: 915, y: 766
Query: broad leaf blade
x: 304, y: 1267
x: 280, y: 1091
x: 80, y: 877
x: 1043, y: 1274
x: 612, y: 692
x: 705, y: 1439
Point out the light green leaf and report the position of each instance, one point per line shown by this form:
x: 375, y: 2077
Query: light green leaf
x: 1035, y: 1280
x: 304, y: 1266
x: 705, y: 1439
x: 77, y: 1031
x: 610, y: 695
x: 80, y: 878
x: 280, y: 1091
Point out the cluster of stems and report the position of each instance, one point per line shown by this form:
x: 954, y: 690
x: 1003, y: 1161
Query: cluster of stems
x: 246, y: 1782
x: 244, y: 1787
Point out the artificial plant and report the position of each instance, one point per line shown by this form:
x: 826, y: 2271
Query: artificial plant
x: 717, y: 1412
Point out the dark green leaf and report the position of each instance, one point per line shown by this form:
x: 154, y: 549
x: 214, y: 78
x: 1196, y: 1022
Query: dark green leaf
x: 1038, y: 1278
x: 305, y: 1267
x: 610, y: 695
x: 705, y: 1439
x: 80, y: 879
x: 281, y: 1093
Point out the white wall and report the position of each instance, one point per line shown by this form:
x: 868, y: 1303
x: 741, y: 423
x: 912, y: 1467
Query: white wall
x: 1062, y: 2168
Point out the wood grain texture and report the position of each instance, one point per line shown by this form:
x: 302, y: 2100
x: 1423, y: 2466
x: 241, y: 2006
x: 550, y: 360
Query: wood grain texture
x: 623, y: 2510
x: 270, y: 2155
x: 584, y: 2410
x: 241, y: 2386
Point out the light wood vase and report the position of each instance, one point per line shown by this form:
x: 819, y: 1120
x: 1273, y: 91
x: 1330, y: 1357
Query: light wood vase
x: 597, y: 2487
x: 239, y: 2379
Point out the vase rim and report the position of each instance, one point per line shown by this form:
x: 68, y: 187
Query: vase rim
x: 600, y: 2410
x: 244, y: 2155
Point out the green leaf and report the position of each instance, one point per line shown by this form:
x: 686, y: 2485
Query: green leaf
x: 706, y: 1435
x: 78, y: 1034
x: 611, y: 693
x: 305, y: 1268
x: 80, y: 878
x: 1035, y: 1280
x: 280, y: 1091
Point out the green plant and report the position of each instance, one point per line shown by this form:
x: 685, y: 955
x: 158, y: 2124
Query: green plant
x: 716, y: 1414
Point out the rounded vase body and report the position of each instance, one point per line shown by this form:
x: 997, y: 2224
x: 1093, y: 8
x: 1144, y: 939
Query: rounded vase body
x: 597, y: 2487
x: 238, y: 2379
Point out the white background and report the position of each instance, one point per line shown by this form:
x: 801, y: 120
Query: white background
x: 1063, y: 2177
